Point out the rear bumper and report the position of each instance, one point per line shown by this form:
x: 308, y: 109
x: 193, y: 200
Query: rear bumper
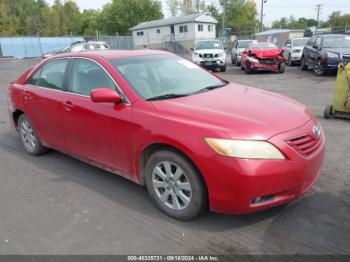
x: 234, y: 184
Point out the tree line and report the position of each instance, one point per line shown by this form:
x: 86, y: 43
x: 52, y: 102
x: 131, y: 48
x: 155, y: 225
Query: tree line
x: 33, y: 17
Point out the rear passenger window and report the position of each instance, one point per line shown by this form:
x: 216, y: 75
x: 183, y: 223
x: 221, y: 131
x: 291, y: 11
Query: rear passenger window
x: 51, y: 75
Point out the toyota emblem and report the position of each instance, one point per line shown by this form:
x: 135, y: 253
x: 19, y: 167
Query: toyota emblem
x: 316, y: 130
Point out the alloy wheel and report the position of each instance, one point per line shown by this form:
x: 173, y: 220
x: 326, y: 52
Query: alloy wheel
x: 171, y: 185
x: 28, y: 135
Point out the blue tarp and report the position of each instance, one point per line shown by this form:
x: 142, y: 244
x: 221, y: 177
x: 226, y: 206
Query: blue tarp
x: 33, y: 46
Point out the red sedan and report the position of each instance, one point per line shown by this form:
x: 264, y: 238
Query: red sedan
x: 193, y: 139
x: 263, y: 57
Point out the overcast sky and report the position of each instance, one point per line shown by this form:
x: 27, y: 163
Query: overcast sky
x: 273, y: 9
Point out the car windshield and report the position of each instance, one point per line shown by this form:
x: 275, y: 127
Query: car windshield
x: 341, y: 41
x: 243, y: 44
x: 300, y: 42
x: 208, y: 45
x: 263, y: 46
x: 164, y: 75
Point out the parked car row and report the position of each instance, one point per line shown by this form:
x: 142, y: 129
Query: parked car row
x: 79, y: 46
x: 322, y: 53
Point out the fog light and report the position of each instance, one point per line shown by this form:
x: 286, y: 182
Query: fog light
x: 262, y: 199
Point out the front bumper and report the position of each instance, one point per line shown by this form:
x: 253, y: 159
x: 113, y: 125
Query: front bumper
x: 296, y: 57
x: 234, y: 184
x: 210, y: 63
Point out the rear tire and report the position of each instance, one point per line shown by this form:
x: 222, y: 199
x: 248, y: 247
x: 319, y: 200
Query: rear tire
x: 303, y: 66
x: 247, y: 68
x: 175, y: 185
x: 29, y: 138
x: 328, y: 112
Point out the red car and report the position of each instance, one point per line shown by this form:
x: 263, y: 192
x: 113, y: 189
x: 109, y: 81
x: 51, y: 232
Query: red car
x: 193, y: 139
x: 263, y: 57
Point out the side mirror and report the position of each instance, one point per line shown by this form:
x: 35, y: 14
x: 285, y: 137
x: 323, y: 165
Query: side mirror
x: 288, y: 45
x: 315, y: 46
x: 105, y: 95
x: 192, y: 49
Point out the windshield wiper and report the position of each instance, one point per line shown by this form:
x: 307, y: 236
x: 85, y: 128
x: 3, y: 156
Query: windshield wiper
x: 208, y: 88
x: 165, y: 96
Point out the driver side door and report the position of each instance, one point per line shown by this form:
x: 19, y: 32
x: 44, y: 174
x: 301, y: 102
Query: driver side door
x: 100, y: 133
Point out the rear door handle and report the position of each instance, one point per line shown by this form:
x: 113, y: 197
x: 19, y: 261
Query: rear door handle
x: 68, y: 105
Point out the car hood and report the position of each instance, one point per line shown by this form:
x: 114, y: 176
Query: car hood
x: 240, y: 112
x: 338, y: 50
x: 298, y: 48
x: 209, y: 51
x: 267, y: 53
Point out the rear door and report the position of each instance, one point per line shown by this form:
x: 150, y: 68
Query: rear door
x: 42, y: 102
x: 98, y: 132
x: 314, y: 51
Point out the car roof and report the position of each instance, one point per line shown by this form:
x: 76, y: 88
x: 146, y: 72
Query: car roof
x: 110, y: 53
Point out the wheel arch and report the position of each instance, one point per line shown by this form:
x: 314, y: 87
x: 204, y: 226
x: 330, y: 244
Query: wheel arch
x: 15, y: 116
x: 151, y: 149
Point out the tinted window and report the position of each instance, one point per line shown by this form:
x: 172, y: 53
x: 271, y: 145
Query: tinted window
x: 337, y: 41
x: 157, y: 75
x: 311, y: 41
x: 86, y: 76
x: 51, y: 75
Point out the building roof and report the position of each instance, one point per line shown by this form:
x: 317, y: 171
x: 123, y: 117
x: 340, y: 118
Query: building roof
x: 201, y: 17
x: 279, y: 31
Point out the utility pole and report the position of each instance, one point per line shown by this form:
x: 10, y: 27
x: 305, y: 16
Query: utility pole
x: 318, y: 9
x: 262, y: 15
x: 197, y: 6
x: 223, y: 17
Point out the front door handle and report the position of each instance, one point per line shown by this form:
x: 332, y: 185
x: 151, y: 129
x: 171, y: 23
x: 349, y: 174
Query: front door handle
x: 68, y: 105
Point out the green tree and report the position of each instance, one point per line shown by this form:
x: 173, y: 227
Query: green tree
x: 119, y: 16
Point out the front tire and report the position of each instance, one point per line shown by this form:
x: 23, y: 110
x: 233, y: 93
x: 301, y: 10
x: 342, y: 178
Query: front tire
x: 303, y: 66
x: 175, y: 185
x: 30, y: 140
x: 319, y: 68
x: 223, y: 69
x: 328, y: 112
x: 247, y: 68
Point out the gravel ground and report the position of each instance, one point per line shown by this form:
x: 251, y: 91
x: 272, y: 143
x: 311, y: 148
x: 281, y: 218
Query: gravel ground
x: 54, y: 204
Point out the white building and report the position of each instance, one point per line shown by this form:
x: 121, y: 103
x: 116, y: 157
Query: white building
x: 183, y: 30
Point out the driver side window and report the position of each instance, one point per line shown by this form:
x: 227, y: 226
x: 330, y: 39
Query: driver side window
x: 86, y: 76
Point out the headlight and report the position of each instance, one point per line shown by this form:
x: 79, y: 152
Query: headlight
x: 296, y: 51
x: 332, y: 55
x: 249, y: 149
x: 221, y: 54
x: 195, y: 55
x: 252, y: 59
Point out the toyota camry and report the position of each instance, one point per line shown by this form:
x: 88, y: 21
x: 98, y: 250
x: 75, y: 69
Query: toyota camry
x: 194, y: 140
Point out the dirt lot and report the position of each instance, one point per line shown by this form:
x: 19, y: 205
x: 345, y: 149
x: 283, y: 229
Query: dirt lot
x: 55, y: 204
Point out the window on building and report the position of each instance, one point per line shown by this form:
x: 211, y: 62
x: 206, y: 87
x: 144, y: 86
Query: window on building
x: 183, y: 29
x: 200, y: 28
x: 210, y: 28
x: 140, y: 33
x: 158, y: 31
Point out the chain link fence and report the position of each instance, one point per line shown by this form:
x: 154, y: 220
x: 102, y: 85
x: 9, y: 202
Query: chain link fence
x: 35, y: 46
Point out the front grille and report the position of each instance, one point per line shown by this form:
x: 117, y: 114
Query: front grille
x: 208, y: 55
x: 306, y: 145
x: 346, y: 57
x: 267, y: 61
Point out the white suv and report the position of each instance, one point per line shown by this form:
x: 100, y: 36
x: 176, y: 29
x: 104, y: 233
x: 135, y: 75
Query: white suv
x: 210, y: 54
